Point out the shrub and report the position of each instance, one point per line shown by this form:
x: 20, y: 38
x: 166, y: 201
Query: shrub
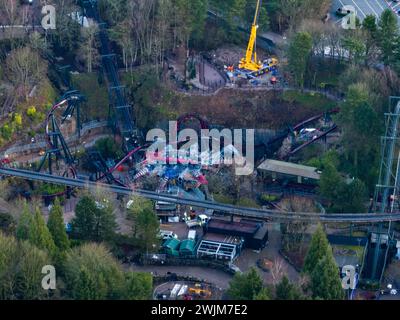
x: 7, y: 223
x: 6, y: 132
x: 17, y: 121
x: 31, y: 112
x: 265, y: 198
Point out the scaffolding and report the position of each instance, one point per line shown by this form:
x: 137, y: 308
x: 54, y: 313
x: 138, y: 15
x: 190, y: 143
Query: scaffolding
x: 386, y: 197
x: 218, y: 250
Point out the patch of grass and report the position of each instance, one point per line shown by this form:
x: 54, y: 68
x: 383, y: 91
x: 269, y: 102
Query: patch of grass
x: 243, y: 202
x: 327, y: 79
x: 247, y: 202
x: 315, y: 101
x: 221, y: 198
x: 96, y: 95
x: 359, y: 234
x: 358, y: 249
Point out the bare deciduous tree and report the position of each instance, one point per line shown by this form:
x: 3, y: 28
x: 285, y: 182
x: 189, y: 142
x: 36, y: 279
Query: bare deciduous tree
x: 89, y: 47
x: 278, y: 270
x: 25, y: 68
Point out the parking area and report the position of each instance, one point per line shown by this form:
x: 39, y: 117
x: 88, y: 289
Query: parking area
x: 180, y: 229
x: 367, y: 7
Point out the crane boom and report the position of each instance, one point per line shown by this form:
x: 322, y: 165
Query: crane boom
x: 248, y: 63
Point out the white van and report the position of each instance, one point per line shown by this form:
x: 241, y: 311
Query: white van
x: 165, y: 235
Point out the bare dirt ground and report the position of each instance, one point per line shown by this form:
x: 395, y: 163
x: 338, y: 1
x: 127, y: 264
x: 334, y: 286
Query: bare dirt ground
x: 243, y: 109
x: 231, y: 55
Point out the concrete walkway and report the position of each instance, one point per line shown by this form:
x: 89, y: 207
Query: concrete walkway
x: 249, y: 258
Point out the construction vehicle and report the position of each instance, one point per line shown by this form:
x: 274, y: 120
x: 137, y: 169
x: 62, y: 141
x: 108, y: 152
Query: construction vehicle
x: 200, y: 291
x: 199, y: 221
x: 249, y: 65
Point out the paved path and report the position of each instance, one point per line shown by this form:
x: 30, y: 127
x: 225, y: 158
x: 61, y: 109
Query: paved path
x: 249, y: 258
x: 25, y: 152
x: 219, y: 278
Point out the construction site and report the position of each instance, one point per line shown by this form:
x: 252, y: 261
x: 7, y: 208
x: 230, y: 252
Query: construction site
x: 209, y: 216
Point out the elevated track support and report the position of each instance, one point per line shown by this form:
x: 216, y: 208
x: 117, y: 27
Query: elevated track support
x: 386, y: 198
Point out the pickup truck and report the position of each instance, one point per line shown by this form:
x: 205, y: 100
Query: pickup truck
x: 198, y: 222
x: 193, y: 223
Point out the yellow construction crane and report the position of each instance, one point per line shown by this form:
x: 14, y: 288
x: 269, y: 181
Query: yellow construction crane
x: 248, y: 62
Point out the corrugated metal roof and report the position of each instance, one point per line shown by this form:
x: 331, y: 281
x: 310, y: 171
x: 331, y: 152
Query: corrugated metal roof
x: 289, y: 168
x: 187, y: 245
x: 172, y: 244
x: 223, y: 225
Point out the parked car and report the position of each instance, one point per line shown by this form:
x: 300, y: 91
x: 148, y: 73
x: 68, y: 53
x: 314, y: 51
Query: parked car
x: 345, y: 10
x: 165, y: 235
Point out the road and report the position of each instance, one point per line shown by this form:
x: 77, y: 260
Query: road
x: 217, y: 277
x: 367, y: 7
x: 248, y: 258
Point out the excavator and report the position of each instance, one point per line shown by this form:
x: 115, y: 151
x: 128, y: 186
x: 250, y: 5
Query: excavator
x: 249, y: 63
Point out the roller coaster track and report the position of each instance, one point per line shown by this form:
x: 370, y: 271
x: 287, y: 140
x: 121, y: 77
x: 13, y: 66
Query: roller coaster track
x: 123, y: 111
x: 293, y: 152
x: 231, y: 209
x: 56, y: 144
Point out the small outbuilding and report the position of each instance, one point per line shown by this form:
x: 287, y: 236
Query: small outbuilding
x: 171, y: 246
x: 187, y: 248
x: 286, y: 170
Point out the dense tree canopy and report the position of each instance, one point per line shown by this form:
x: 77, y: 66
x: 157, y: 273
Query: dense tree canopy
x: 246, y: 286
x: 325, y: 279
x: 93, y: 220
x: 147, y: 227
x: 388, y: 34
x: 39, y: 234
x: 57, y: 227
x: 321, y: 266
x: 21, y: 269
x: 285, y: 290
x: 24, y: 223
x: 298, y: 54
x: 317, y: 250
x: 91, y: 273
